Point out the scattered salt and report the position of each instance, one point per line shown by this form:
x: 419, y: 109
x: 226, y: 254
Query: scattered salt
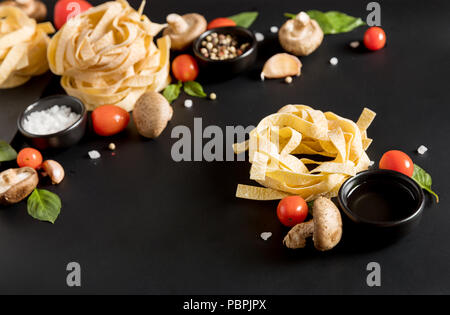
x: 94, y: 154
x: 266, y: 235
x: 422, y: 149
x: 334, y: 61
x: 188, y: 103
x: 274, y: 29
x: 259, y: 36
x: 49, y: 121
x: 354, y: 44
x: 371, y: 163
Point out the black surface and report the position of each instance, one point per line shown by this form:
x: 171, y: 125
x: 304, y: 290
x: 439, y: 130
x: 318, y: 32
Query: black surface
x: 138, y: 222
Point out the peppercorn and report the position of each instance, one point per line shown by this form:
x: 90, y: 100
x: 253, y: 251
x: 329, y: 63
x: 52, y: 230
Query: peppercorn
x: 222, y: 47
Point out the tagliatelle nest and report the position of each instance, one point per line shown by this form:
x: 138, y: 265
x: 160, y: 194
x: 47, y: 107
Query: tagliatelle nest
x: 106, y: 55
x: 278, y: 140
x: 23, y: 47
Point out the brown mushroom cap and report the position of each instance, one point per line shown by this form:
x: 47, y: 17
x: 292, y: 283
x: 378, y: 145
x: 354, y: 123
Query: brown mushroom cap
x: 301, y: 35
x: 183, y: 30
x: 16, y: 184
x: 151, y: 114
x: 327, y: 224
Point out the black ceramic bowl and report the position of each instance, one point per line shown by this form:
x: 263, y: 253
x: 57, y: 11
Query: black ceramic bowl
x: 382, y: 203
x: 64, y: 138
x: 230, y: 67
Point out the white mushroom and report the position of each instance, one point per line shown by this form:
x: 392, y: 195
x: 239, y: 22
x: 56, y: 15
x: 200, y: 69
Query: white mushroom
x: 325, y: 227
x: 301, y: 35
x: 183, y: 30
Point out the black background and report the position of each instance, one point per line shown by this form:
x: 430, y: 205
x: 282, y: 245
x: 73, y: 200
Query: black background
x: 138, y: 222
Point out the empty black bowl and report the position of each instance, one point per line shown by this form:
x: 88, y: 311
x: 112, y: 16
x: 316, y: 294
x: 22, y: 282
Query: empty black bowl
x: 61, y: 139
x: 230, y: 67
x: 382, y: 204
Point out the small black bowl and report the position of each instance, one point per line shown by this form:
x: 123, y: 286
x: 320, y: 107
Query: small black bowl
x: 386, y: 205
x: 64, y: 138
x: 230, y: 67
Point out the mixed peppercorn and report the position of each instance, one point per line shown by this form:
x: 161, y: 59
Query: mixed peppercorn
x: 222, y: 47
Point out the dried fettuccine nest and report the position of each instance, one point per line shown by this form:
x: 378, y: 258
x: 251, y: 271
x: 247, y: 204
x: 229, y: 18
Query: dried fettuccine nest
x: 283, y: 145
x: 23, y: 47
x: 106, y: 55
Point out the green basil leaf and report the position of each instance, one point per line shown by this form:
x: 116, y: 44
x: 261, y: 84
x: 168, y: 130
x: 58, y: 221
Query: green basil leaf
x: 7, y: 153
x: 333, y: 22
x: 193, y: 88
x: 244, y: 19
x: 172, y: 91
x: 424, y: 180
x: 44, y: 205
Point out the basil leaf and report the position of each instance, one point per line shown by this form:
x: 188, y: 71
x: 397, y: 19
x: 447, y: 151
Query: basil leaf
x: 333, y: 22
x: 7, y: 153
x: 193, y: 88
x: 244, y: 19
x: 44, y: 205
x: 424, y: 180
x: 172, y: 91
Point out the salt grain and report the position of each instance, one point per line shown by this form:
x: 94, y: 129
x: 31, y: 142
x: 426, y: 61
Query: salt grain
x: 49, y: 121
x: 422, y: 149
x: 94, y: 154
x: 259, y: 36
x: 274, y: 29
x: 188, y: 103
x: 371, y: 163
x: 334, y: 61
x: 266, y: 235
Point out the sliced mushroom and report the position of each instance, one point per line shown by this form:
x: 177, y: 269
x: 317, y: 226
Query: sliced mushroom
x: 183, y: 30
x: 16, y: 184
x: 325, y: 227
x: 33, y: 8
x: 281, y: 66
x: 300, y: 36
x: 54, y: 170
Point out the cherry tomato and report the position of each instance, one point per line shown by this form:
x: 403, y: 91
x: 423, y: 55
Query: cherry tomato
x: 109, y: 120
x: 397, y: 161
x: 29, y: 157
x: 221, y: 22
x: 374, y: 38
x: 67, y: 9
x: 292, y: 210
x: 185, y: 68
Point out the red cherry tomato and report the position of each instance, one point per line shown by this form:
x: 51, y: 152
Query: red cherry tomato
x: 29, y: 157
x: 221, y: 22
x: 185, y: 68
x: 67, y: 9
x: 292, y: 210
x: 109, y: 120
x: 374, y: 38
x: 397, y: 161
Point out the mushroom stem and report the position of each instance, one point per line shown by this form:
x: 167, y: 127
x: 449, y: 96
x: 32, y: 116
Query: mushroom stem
x: 177, y: 22
x: 302, y: 19
x: 296, y: 238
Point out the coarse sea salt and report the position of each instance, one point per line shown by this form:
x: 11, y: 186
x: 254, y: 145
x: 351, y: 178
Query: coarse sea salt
x: 422, y: 149
x: 266, y: 235
x: 49, y: 121
x: 94, y: 154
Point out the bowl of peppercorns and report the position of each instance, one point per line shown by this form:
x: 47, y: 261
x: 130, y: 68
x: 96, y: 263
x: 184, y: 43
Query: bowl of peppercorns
x: 225, y: 51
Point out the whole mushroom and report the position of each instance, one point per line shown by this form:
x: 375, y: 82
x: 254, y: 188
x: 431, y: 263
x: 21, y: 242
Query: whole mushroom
x: 151, y: 114
x: 35, y: 9
x: 301, y: 35
x: 184, y: 29
x: 16, y: 184
x: 325, y: 227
